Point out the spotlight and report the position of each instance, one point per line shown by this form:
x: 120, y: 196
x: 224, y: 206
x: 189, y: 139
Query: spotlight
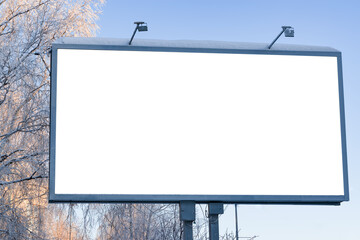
x: 289, y: 32
x: 141, y: 27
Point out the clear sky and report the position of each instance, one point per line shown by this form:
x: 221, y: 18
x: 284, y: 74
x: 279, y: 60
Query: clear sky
x: 317, y: 22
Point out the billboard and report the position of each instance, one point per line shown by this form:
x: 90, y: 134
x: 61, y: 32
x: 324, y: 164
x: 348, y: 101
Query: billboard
x: 159, y: 123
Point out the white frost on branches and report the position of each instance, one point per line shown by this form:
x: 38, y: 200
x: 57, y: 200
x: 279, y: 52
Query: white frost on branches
x: 28, y: 27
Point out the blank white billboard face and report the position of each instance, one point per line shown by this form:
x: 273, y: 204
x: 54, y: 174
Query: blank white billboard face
x: 165, y: 123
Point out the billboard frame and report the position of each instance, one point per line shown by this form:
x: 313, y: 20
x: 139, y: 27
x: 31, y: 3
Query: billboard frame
x: 240, y: 199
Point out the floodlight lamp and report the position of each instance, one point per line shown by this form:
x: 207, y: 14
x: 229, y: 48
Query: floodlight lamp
x: 289, y: 32
x: 141, y: 27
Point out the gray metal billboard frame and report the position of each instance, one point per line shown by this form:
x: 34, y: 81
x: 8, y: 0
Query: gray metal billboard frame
x: 240, y: 199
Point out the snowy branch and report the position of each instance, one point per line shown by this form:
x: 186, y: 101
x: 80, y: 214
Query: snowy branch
x: 2, y: 183
x: 22, y: 12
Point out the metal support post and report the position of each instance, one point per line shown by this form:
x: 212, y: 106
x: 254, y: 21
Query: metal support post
x: 236, y: 223
x: 214, y: 210
x: 132, y: 37
x: 187, y: 215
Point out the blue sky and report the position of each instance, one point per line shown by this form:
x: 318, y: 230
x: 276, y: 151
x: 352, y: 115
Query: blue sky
x: 323, y: 23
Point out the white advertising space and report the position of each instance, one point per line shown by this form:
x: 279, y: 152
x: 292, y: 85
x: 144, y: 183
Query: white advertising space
x: 143, y: 122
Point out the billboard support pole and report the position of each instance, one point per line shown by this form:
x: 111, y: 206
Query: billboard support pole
x: 214, y: 210
x: 236, y: 223
x: 187, y: 215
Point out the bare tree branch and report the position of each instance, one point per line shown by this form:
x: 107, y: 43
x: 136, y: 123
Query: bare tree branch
x: 22, y: 180
x: 22, y: 12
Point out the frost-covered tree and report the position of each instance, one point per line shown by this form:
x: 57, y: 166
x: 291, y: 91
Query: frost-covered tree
x: 139, y: 221
x: 27, y: 29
